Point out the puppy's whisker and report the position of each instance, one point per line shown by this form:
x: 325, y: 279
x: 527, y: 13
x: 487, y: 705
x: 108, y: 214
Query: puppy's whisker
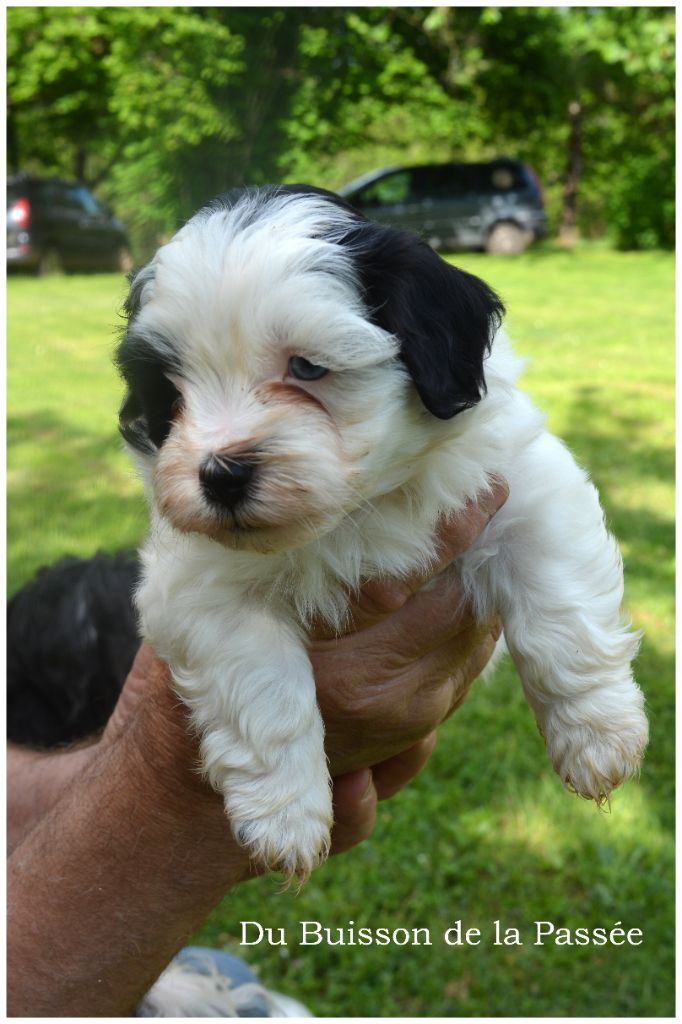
x: 364, y: 503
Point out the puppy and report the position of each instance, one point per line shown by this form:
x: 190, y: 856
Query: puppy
x: 308, y: 392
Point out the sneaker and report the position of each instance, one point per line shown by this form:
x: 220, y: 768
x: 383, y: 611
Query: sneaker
x: 211, y: 983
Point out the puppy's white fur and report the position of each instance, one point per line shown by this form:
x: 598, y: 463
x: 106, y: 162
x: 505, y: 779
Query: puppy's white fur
x: 352, y: 475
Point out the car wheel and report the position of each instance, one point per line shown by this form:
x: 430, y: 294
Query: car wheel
x: 50, y: 263
x: 507, y: 240
x: 124, y: 260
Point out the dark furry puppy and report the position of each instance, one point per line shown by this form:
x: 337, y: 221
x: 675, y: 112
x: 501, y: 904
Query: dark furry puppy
x: 71, y: 639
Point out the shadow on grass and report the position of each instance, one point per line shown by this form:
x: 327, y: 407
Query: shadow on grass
x: 486, y: 833
x: 614, y: 436
x: 70, y: 491
x: 616, y: 453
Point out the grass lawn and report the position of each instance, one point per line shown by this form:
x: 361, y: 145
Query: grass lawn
x: 486, y: 833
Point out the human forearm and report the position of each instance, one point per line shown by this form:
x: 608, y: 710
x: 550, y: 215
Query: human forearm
x: 36, y: 780
x: 109, y: 885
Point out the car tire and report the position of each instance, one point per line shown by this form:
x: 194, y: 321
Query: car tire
x: 50, y: 263
x: 506, y: 239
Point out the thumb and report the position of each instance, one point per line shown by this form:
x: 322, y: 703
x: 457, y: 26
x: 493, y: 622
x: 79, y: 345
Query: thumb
x: 147, y: 673
x: 355, y: 805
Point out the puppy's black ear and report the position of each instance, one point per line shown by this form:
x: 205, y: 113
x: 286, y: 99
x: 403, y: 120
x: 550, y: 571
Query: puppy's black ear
x: 132, y: 424
x: 137, y: 279
x: 144, y: 361
x: 147, y: 411
x: 444, y: 318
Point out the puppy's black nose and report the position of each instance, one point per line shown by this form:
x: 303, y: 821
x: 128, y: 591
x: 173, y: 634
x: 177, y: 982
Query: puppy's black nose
x: 225, y: 481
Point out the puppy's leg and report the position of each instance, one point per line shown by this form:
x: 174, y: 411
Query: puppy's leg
x: 558, y: 583
x: 262, y: 743
x: 248, y: 683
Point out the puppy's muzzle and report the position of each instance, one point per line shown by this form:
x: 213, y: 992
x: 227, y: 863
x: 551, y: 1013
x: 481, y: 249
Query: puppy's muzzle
x: 225, y: 482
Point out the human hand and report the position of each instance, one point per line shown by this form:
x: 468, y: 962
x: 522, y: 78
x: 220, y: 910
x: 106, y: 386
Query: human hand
x: 410, y: 659
x: 406, y: 666
x: 383, y: 688
x: 149, y: 709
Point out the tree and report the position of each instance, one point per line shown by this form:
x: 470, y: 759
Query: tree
x: 573, y: 90
x: 164, y: 107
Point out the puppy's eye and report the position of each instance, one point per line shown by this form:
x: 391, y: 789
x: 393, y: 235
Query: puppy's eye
x: 302, y: 369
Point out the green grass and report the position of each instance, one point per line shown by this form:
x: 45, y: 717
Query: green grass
x: 71, y: 487
x: 486, y: 832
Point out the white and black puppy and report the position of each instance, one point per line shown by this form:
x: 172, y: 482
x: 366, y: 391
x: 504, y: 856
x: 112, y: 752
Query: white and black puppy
x: 307, y: 393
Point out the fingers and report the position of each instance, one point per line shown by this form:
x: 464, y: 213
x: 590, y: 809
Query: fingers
x: 356, y: 794
x: 455, y: 535
x: 434, y: 617
x: 470, y: 670
x: 393, y: 775
x: 470, y: 648
x: 430, y: 618
x: 355, y: 805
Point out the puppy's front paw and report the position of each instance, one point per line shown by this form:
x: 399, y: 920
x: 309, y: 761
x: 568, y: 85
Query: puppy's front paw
x: 293, y: 839
x: 595, y: 756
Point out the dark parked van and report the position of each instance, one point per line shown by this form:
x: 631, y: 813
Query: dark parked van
x: 55, y: 225
x: 497, y: 206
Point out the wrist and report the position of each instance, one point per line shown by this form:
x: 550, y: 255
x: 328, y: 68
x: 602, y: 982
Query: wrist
x: 159, y: 755
x: 116, y: 842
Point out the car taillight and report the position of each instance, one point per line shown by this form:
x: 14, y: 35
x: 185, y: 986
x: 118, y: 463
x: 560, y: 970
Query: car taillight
x: 20, y: 213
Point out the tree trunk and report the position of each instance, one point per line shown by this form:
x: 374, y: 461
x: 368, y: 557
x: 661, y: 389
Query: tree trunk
x: 12, y: 144
x: 79, y: 163
x: 568, y: 221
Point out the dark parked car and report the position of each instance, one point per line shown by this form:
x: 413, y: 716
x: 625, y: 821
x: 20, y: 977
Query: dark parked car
x: 55, y: 225
x: 497, y: 206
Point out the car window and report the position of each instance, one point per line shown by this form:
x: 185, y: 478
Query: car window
x: 394, y: 188
x: 440, y: 182
x: 70, y: 197
x: 491, y: 178
x: 50, y: 193
x: 85, y: 200
x: 502, y: 178
x: 90, y: 204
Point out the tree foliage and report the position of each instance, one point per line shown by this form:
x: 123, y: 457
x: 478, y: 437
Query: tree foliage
x: 162, y: 107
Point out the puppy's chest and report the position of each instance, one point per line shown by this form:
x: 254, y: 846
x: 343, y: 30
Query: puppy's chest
x: 321, y: 581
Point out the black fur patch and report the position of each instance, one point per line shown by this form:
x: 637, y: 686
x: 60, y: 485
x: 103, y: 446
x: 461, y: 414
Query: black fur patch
x: 71, y: 640
x: 444, y: 317
x: 263, y: 194
x: 146, y: 413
